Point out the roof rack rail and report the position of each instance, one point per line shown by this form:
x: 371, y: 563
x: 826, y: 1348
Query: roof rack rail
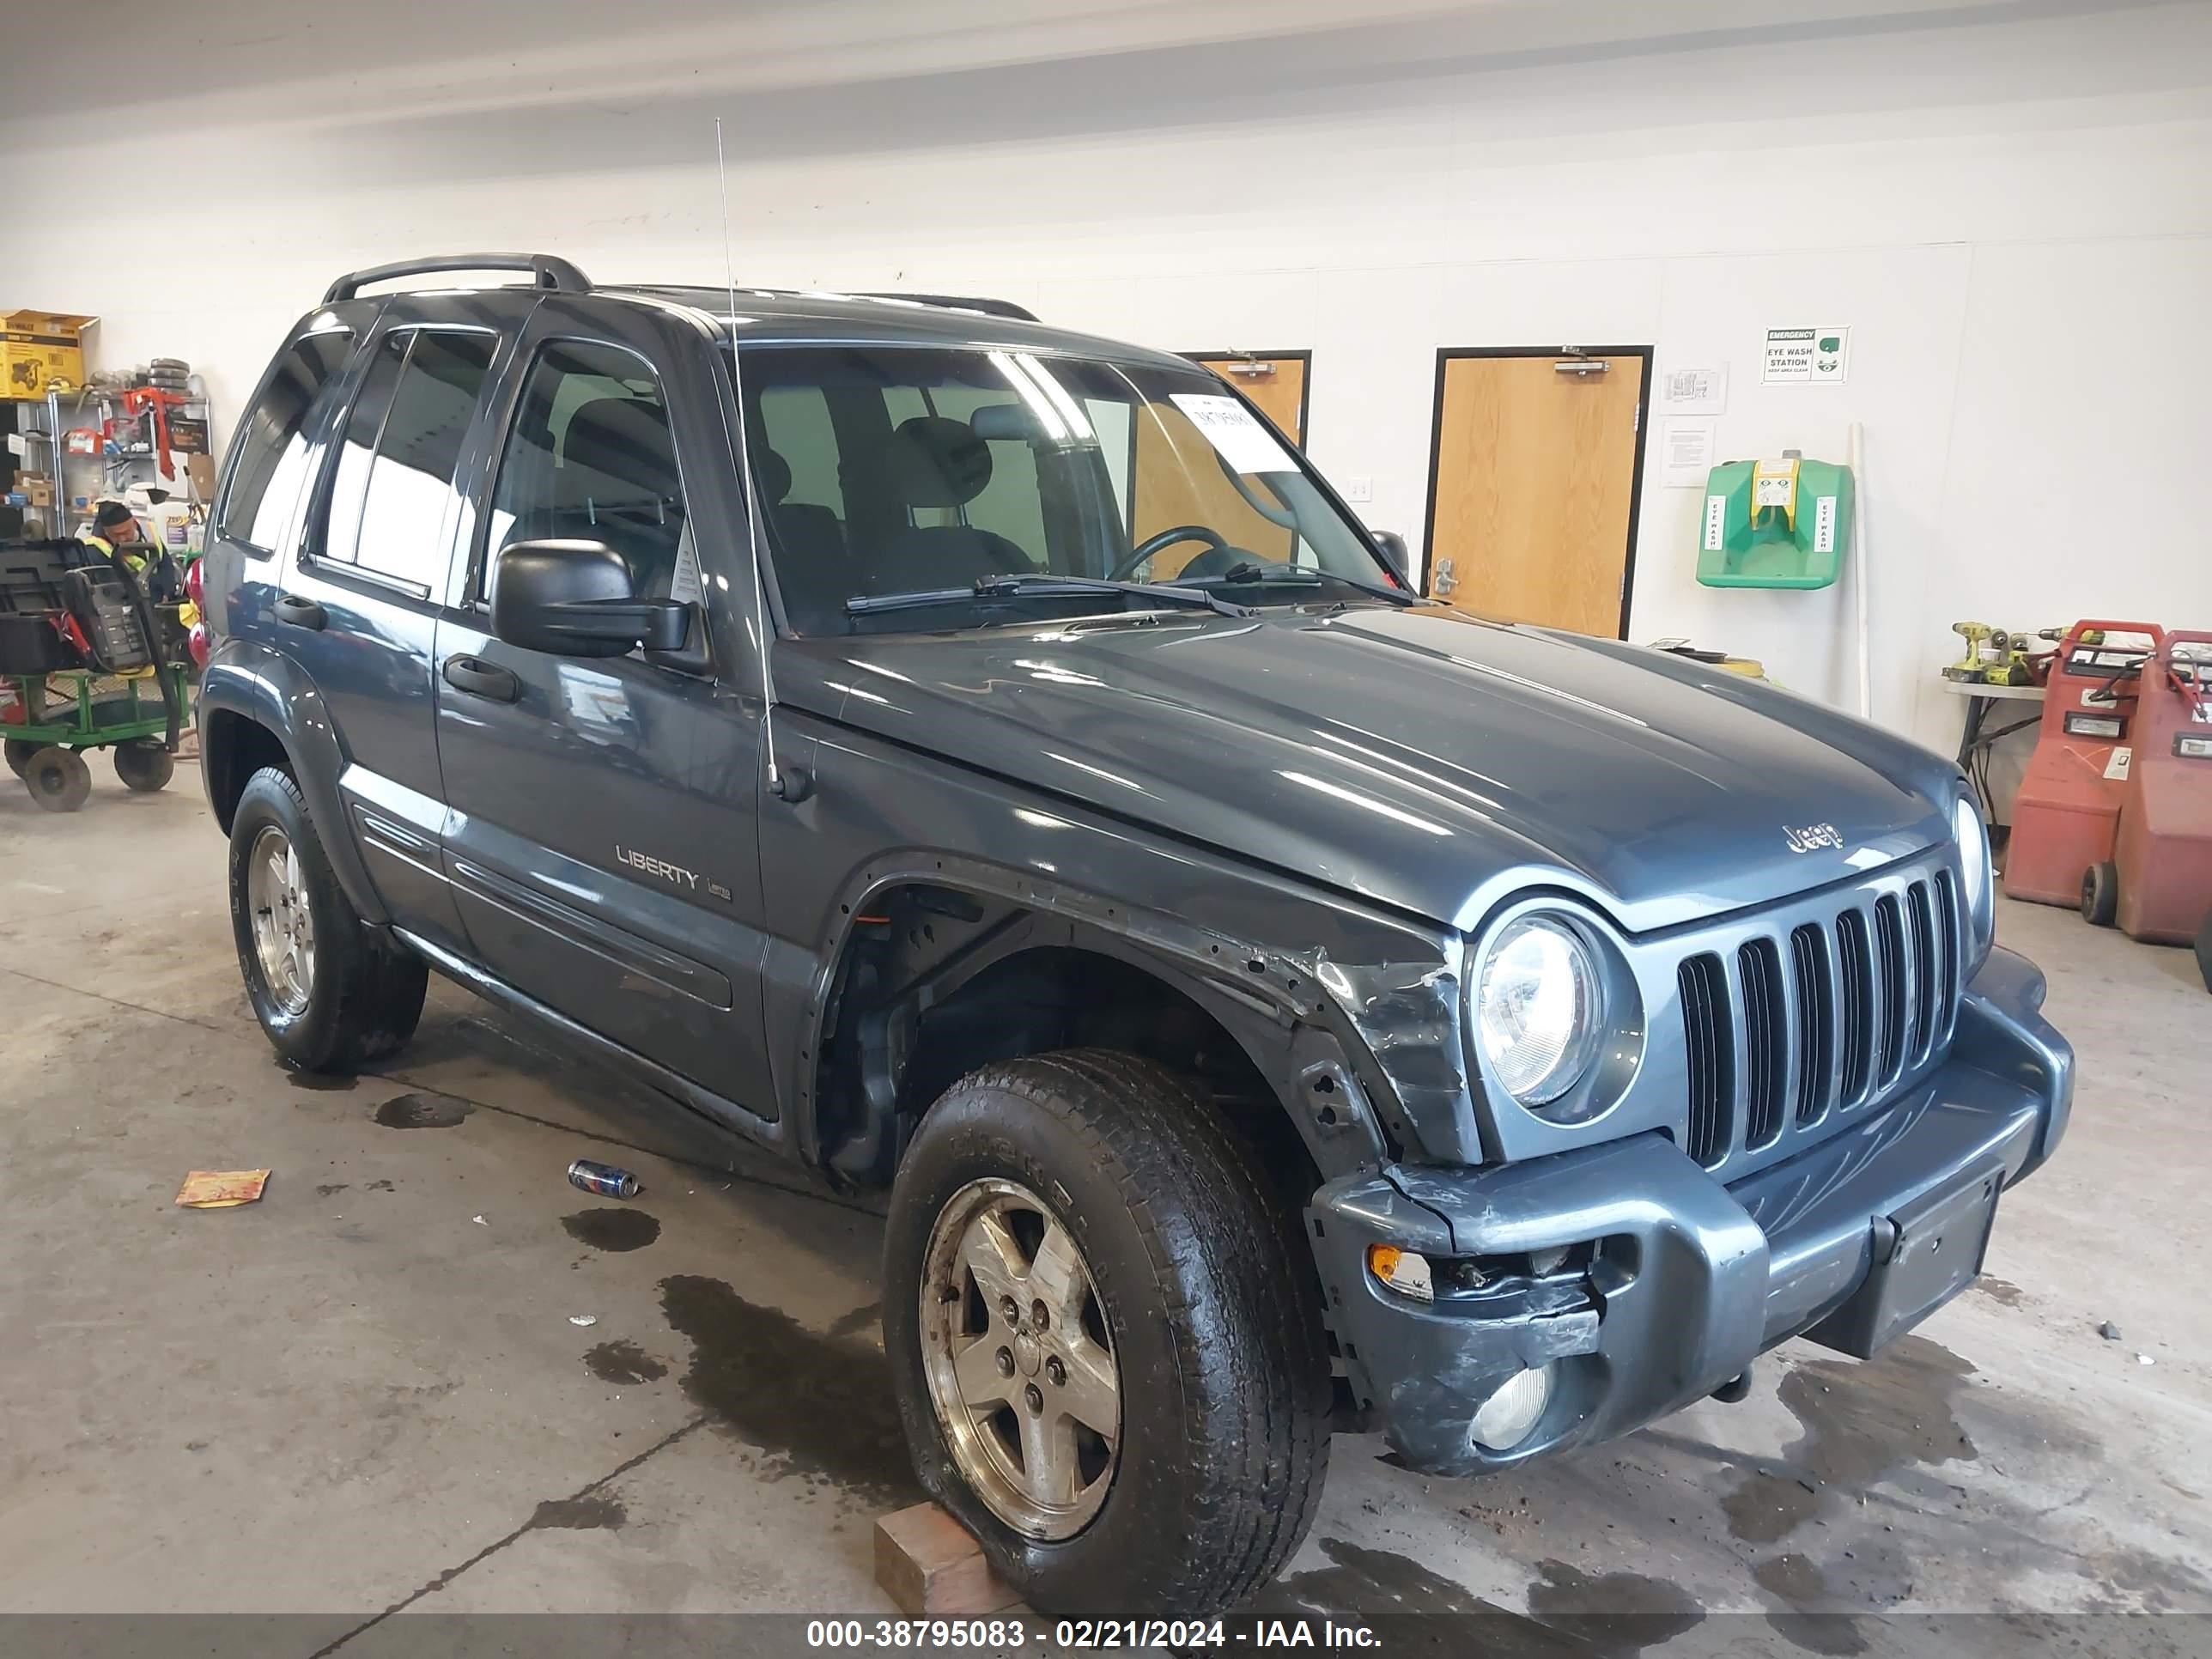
x: 961, y: 303
x: 553, y: 273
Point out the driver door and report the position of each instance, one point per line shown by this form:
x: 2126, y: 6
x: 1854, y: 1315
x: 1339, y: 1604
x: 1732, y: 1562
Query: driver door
x: 602, y: 845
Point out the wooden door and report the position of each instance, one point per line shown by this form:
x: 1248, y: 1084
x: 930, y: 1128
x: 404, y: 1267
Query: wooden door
x: 1276, y: 384
x: 1174, y: 465
x: 1533, y: 484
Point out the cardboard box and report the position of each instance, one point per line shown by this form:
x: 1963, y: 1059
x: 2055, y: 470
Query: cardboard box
x: 36, y: 488
x: 38, y: 348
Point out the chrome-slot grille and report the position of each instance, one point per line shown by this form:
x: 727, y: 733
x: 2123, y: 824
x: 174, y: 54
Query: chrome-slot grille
x: 1712, y: 1052
x: 1796, y: 1021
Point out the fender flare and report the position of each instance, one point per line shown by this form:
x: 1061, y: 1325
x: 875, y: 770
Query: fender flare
x: 272, y: 691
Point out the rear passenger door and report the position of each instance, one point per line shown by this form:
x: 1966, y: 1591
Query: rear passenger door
x: 358, y: 602
x: 601, y: 842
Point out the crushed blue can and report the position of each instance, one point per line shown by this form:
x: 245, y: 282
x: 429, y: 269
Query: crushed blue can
x: 604, y: 1179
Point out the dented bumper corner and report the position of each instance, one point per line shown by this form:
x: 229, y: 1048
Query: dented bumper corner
x: 1675, y: 1282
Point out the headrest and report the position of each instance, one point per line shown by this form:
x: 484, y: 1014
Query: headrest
x: 774, y: 475
x: 937, y: 461
x: 1007, y: 422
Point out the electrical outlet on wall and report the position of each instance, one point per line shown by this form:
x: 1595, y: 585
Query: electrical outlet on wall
x: 1359, y: 488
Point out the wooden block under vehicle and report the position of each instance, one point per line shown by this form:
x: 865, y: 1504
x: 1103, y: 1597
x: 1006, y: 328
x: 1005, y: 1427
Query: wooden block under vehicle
x: 931, y: 1566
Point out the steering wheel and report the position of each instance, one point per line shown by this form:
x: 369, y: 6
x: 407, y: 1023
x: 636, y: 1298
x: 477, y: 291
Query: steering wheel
x: 1152, y: 544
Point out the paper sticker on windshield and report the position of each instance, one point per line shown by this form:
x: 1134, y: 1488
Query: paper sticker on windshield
x: 1234, y: 431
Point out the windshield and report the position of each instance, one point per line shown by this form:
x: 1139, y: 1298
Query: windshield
x: 897, y: 470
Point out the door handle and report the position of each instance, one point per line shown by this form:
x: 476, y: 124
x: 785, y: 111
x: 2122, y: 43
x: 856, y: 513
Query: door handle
x: 480, y: 678
x: 300, y: 613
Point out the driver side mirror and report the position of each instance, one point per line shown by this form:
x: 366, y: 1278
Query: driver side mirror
x: 1392, y: 546
x: 575, y: 598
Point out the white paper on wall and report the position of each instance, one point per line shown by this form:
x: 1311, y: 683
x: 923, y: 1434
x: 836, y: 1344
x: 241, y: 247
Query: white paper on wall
x: 1693, y: 389
x: 1686, y: 454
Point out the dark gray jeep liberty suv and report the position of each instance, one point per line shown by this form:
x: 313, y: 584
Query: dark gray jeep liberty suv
x: 986, y: 765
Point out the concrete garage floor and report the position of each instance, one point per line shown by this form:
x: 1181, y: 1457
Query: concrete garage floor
x: 356, y: 1396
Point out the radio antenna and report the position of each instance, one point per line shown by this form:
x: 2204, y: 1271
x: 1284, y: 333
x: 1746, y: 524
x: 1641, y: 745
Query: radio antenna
x: 777, y: 785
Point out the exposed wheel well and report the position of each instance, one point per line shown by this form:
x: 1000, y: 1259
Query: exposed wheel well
x: 893, y: 1043
x: 236, y: 746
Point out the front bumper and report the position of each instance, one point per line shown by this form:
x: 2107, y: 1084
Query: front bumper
x: 1678, y: 1282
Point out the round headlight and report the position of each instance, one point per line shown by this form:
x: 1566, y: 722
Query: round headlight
x: 1540, y: 1010
x: 1974, y: 868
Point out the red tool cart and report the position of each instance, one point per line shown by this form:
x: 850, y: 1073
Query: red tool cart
x: 2158, y: 884
x: 2066, y: 816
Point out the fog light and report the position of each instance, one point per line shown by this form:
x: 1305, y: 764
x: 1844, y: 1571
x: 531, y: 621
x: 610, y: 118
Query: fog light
x: 1504, y: 1419
x: 1406, y: 1272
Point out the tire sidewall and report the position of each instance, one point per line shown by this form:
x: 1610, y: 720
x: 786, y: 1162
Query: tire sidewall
x: 143, y: 766
x: 310, y: 1038
x: 69, y: 767
x: 977, y: 1131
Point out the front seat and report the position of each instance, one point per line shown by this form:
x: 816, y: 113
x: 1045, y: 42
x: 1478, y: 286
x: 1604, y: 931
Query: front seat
x: 935, y: 463
x: 813, y: 568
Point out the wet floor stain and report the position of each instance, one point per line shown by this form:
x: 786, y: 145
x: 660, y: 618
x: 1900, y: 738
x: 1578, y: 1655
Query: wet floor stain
x: 860, y: 1321
x: 820, y: 1408
x: 612, y: 1228
x: 1810, y: 1624
x: 1861, y: 1420
x: 423, y: 1110
x: 379, y: 1187
x: 594, y: 1512
x: 2136, y: 1581
x: 320, y: 1082
x: 2002, y: 1292
x: 624, y: 1362
x: 330, y: 1187
x: 1615, y: 1614
x: 1390, y: 1593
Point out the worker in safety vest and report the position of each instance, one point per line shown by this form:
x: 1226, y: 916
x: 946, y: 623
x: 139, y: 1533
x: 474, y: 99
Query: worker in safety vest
x: 118, y: 537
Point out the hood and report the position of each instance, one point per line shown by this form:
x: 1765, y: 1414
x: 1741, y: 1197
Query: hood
x: 1424, y: 759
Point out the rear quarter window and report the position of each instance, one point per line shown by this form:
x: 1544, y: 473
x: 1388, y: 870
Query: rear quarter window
x: 272, y: 443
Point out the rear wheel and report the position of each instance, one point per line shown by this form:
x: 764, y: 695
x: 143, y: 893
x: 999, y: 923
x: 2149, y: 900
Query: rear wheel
x: 1109, y: 1363
x: 2100, y: 893
x: 58, y: 779
x: 20, y: 750
x: 144, y: 765
x: 330, y: 995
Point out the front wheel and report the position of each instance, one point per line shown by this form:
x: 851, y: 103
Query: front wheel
x: 1108, y: 1360
x: 18, y: 752
x: 330, y: 996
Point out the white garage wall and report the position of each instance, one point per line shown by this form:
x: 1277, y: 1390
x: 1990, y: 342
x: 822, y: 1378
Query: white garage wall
x: 2006, y: 201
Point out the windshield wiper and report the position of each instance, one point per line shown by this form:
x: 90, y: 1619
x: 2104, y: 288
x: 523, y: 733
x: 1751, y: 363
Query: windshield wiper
x: 1250, y: 573
x: 1039, y: 586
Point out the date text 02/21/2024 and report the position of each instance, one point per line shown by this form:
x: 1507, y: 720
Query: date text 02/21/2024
x: 1083, y: 1635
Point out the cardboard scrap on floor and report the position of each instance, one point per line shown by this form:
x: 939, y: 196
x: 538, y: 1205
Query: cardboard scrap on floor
x: 221, y: 1190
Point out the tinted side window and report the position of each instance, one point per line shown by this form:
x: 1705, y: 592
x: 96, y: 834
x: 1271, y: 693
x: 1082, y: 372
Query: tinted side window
x: 272, y: 462
x: 590, y: 457
x: 395, y: 473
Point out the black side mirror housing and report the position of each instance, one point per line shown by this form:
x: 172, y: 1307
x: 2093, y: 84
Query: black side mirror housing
x: 575, y: 598
x: 1392, y: 546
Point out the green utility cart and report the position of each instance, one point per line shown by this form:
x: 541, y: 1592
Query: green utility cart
x: 50, y: 718
x: 83, y: 665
